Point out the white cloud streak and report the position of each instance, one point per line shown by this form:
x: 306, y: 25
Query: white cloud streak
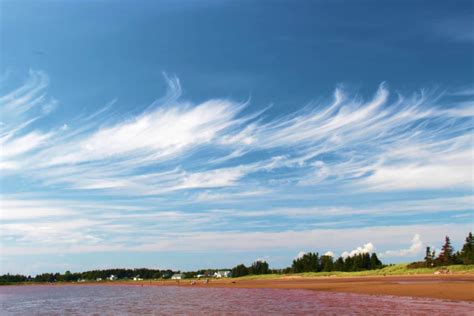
x: 198, y: 154
x: 379, y: 145
x: 84, y: 240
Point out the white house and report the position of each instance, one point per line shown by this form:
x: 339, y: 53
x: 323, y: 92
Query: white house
x: 222, y: 274
x: 177, y: 276
x: 137, y: 278
x: 112, y: 277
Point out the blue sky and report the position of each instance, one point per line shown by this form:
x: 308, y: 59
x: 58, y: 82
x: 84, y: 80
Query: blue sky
x: 199, y: 134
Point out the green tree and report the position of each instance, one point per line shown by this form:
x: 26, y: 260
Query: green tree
x: 375, y: 263
x: 240, y: 270
x: 428, y: 257
x: 339, y: 264
x: 326, y: 263
x: 68, y: 276
x: 365, y: 264
x: 10, y: 278
x: 189, y: 275
x: 446, y: 256
x: 349, y: 264
x: 259, y: 267
x: 467, y: 251
x: 309, y: 262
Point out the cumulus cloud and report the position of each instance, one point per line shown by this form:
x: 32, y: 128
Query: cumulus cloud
x: 415, y: 249
x: 366, y: 248
x: 300, y: 254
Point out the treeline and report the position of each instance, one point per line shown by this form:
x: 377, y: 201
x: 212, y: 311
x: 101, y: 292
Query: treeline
x: 93, y: 275
x: 258, y: 267
x: 312, y: 262
x: 309, y: 262
x: 447, y: 255
x: 142, y: 273
x: 207, y: 273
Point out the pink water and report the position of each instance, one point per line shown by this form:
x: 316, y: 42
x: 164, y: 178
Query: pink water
x: 155, y: 300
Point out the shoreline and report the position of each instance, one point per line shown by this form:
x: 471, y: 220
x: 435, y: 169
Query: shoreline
x: 454, y: 287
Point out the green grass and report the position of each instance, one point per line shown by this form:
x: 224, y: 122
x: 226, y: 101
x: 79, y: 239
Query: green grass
x: 398, y: 269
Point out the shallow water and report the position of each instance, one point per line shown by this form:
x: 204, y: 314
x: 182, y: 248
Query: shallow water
x: 156, y: 300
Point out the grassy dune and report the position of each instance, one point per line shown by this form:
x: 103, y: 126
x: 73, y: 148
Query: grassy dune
x: 398, y: 269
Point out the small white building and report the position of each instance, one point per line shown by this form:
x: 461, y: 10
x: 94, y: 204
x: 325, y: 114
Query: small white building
x: 98, y: 279
x: 112, y: 277
x: 177, y: 276
x: 222, y: 274
x: 137, y: 278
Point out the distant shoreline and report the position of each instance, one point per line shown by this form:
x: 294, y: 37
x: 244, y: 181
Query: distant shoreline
x: 456, y: 287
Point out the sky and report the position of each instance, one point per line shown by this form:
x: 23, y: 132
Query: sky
x: 205, y: 134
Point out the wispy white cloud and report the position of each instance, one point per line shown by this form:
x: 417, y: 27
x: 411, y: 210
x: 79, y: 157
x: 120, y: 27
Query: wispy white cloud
x: 392, y: 208
x: 458, y: 29
x: 383, y: 144
x: 12, y: 209
x: 196, y: 241
x: 430, y: 167
x: 175, y: 156
x: 23, y: 144
x: 212, y: 179
x: 23, y: 99
x: 209, y: 196
x: 463, y: 91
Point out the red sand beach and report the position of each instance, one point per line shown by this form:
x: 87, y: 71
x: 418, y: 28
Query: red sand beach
x: 451, y: 287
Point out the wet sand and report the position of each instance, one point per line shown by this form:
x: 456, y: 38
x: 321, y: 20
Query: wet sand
x: 456, y: 287
x: 449, y: 287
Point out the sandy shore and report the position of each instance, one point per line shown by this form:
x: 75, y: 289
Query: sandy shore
x: 450, y: 287
x: 443, y: 287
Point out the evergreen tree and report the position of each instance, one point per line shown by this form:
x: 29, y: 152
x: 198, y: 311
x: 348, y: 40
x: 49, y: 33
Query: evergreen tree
x: 428, y: 257
x: 240, y: 270
x: 309, y: 262
x: 446, y: 255
x: 339, y: 264
x: 68, y: 276
x: 467, y: 252
x: 326, y: 263
x: 365, y: 264
x: 375, y: 263
x: 259, y: 267
x: 349, y: 264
